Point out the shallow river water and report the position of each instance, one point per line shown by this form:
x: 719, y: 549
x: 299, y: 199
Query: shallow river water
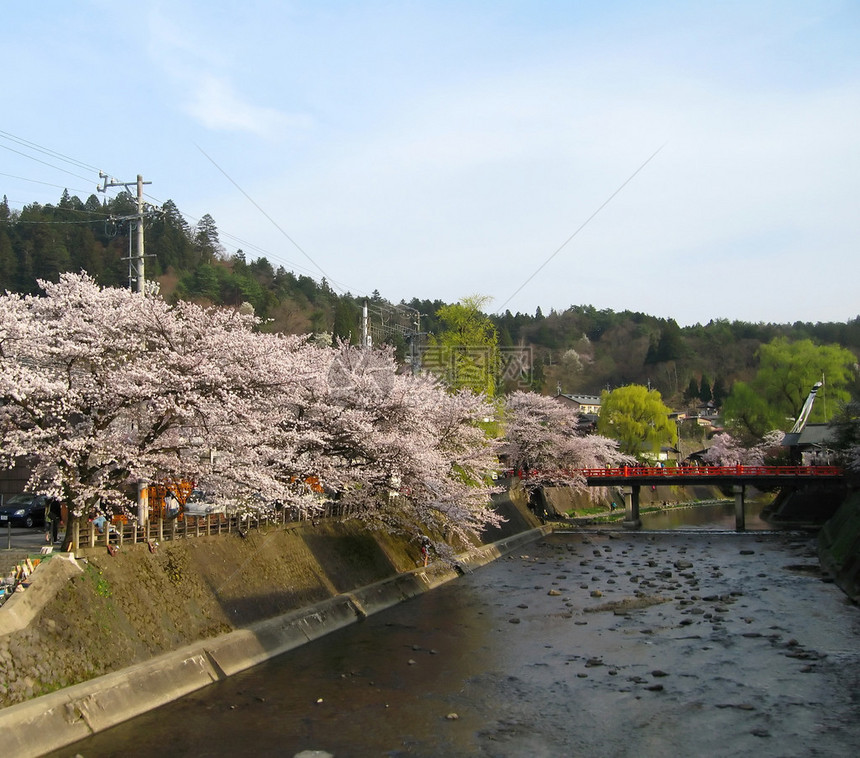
x: 589, y: 643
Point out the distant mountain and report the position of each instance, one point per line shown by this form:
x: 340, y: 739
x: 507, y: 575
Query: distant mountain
x: 579, y: 350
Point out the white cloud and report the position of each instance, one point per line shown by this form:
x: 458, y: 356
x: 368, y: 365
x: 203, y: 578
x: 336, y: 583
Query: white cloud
x: 439, y: 150
x: 217, y: 106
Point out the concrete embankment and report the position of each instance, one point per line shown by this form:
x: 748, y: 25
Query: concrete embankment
x: 839, y: 547
x: 132, y: 632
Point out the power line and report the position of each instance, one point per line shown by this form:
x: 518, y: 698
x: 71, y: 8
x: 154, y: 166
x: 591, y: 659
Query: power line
x: 47, y: 184
x: 45, y: 163
x: 46, y: 151
x: 581, y: 227
x: 59, y: 223
x: 273, y: 222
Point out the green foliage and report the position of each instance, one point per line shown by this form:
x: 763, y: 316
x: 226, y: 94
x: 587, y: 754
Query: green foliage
x: 748, y: 413
x: 787, y: 371
x: 347, y: 322
x: 469, y: 345
x: 705, y: 393
x: 100, y: 584
x: 637, y: 418
x: 846, y: 427
x: 612, y: 348
x: 667, y: 345
x: 692, y: 391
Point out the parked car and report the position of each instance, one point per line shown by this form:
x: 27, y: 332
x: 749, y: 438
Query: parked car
x: 25, y: 509
x: 200, y: 503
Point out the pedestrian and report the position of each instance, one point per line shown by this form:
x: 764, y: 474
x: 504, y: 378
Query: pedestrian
x: 53, y: 516
x: 425, y: 548
x: 612, y: 506
x: 171, y: 504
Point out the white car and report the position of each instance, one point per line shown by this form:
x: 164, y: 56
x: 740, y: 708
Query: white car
x: 200, y: 503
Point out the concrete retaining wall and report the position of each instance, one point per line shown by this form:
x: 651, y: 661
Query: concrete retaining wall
x: 44, y: 583
x: 60, y: 718
x: 839, y: 547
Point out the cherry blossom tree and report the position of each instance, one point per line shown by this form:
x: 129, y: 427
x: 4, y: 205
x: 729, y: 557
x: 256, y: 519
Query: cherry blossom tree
x: 726, y: 450
x: 392, y: 449
x: 101, y: 388
x: 542, y: 438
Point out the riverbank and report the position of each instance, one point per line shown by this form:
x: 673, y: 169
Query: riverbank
x: 596, y: 507
x: 207, y: 608
x: 126, y: 632
x: 598, y: 642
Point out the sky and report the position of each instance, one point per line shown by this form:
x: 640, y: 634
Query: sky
x: 687, y: 160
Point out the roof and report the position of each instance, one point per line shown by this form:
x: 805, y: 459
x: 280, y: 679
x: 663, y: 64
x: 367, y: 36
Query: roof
x: 812, y: 435
x: 582, y: 399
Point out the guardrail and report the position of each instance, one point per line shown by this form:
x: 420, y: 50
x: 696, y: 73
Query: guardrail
x: 706, y: 471
x: 675, y: 472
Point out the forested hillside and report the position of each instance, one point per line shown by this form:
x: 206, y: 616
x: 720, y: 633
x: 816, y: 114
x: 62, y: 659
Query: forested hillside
x: 579, y: 350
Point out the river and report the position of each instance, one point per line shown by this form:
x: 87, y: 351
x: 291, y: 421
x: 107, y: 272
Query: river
x: 588, y: 643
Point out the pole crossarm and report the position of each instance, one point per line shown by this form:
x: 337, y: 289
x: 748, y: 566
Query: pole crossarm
x: 135, y: 261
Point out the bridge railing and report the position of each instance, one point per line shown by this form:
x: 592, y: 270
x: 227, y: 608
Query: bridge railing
x: 633, y: 472
x: 675, y: 472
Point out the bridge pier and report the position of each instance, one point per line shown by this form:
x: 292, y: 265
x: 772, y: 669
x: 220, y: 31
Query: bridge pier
x: 740, y: 523
x: 631, y: 505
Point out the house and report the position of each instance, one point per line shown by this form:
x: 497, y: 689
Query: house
x: 588, y: 407
x: 585, y: 404
x: 811, y: 446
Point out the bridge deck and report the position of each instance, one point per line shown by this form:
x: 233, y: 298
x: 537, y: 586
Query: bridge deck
x: 768, y: 476
x: 762, y: 475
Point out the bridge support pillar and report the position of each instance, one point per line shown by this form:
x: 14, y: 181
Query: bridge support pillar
x: 740, y: 524
x: 631, y: 504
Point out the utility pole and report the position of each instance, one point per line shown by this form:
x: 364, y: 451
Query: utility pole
x: 136, y: 262
x: 135, y: 270
x: 365, y: 327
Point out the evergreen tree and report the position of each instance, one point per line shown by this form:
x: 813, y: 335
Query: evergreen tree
x: 346, y: 324
x: 705, y: 392
x: 206, y: 239
x: 692, y: 391
x: 719, y: 392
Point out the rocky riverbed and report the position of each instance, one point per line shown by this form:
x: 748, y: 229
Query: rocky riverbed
x: 591, y: 643
x: 688, y: 644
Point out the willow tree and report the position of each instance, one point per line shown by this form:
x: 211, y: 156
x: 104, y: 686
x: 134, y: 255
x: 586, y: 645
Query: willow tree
x: 465, y: 354
x: 787, y: 371
x: 637, y: 418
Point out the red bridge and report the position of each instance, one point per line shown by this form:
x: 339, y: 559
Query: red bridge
x: 767, y: 476
x: 631, y: 478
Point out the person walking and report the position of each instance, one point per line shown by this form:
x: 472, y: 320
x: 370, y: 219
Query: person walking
x: 53, y: 516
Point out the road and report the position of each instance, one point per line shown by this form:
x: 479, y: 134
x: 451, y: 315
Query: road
x: 17, y: 542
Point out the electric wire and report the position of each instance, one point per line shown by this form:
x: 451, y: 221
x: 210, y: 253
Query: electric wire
x: 45, y: 163
x: 46, y: 151
x: 47, y: 184
x: 581, y: 227
x: 259, y: 208
x: 81, y: 164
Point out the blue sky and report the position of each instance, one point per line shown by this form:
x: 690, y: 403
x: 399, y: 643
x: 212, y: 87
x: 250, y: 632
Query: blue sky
x: 442, y: 149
